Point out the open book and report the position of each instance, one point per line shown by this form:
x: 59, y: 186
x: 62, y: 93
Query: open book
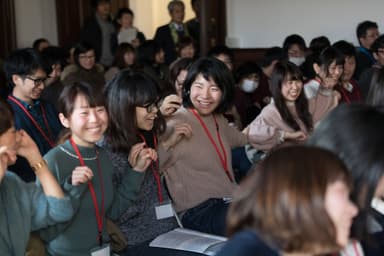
x: 189, y: 240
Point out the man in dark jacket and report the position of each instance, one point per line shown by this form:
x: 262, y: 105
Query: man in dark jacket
x: 99, y: 32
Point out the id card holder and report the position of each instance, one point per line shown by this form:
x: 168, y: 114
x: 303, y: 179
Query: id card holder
x: 103, y: 250
x: 164, y: 210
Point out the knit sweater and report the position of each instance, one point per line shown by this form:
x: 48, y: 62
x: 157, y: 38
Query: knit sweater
x: 266, y: 131
x: 192, y: 168
x: 25, y: 208
x: 79, y: 235
x: 138, y: 223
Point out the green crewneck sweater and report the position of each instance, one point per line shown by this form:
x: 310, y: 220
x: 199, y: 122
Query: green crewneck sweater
x: 79, y: 236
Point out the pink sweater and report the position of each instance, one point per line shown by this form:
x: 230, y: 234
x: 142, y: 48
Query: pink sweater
x: 192, y: 168
x: 266, y: 130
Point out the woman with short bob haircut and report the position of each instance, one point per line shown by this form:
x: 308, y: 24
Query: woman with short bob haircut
x: 295, y: 202
x: 198, y: 170
x: 355, y: 133
x: 211, y: 68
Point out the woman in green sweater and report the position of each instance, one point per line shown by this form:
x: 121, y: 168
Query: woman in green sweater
x: 85, y: 170
x: 25, y: 207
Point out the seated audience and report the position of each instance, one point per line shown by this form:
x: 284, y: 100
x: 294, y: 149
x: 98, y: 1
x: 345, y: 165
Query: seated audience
x: 295, y: 49
x: 40, y: 44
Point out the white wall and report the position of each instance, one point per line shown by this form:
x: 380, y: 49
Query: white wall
x: 150, y: 14
x: 35, y: 19
x: 265, y: 23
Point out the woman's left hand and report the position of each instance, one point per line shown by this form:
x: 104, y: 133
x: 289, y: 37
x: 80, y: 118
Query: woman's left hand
x: 170, y: 104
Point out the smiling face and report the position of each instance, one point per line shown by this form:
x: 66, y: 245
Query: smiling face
x: 340, y: 210
x: 87, y: 60
x: 291, y: 89
x: 30, y: 87
x: 87, y: 124
x: 145, y: 117
x: 205, y: 95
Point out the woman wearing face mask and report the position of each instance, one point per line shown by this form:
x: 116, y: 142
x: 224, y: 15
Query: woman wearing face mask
x: 294, y: 47
x: 246, y: 102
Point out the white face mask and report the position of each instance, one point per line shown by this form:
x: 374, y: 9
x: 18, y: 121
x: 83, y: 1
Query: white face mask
x: 249, y: 85
x: 297, y: 60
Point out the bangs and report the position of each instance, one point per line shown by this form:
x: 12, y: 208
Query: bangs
x: 293, y: 74
x: 146, y: 90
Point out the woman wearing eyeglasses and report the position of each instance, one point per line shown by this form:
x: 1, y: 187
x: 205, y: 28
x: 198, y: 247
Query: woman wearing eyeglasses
x: 134, y: 126
x: 85, y: 68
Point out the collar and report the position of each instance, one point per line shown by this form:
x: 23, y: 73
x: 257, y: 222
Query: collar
x: 35, y: 103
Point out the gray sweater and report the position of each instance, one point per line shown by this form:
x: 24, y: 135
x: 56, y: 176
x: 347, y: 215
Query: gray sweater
x: 138, y: 222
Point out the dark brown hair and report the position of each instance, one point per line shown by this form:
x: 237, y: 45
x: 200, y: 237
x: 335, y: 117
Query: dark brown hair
x: 285, y: 71
x: 121, y: 50
x: 6, y: 117
x: 66, y: 102
x: 283, y: 199
x: 126, y: 91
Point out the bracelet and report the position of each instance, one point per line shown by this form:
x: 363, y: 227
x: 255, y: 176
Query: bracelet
x: 35, y: 167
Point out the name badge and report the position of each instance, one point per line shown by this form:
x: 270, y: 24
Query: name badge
x: 103, y: 250
x: 164, y: 210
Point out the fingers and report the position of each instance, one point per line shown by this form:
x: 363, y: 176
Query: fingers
x: 183, y: 129
x: 134, y: 153
x: 81, y: 175
x: 170, y: 104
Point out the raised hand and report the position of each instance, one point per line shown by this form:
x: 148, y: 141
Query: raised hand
x: 179, y: 132
x: 81, y: 175
x: 144, y: 159
x: 170, y: 105
x: 27, y: 148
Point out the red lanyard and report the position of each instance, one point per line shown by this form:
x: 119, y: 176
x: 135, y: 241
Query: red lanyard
x: 223, y: 157
x: 99, y: 214
x: 155, y: 168
x: 46, y: 137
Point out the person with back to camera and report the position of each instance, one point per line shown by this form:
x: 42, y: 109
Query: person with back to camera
x: 295, y: 202
x: 355, y: 134
x: 198, y: 170
x: 25, y: 207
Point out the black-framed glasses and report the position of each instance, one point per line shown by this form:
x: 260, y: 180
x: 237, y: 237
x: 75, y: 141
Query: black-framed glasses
x: 151, y: 106
x: 37, y: 81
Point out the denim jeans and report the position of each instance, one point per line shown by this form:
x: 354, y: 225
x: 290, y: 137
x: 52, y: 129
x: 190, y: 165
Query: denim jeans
x: 208, y: 217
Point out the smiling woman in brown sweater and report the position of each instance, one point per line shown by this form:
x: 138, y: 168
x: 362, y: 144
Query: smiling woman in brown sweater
x: 198, y: 169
